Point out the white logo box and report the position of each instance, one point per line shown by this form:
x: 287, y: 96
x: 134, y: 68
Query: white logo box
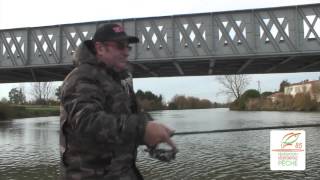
x: 287, y: 150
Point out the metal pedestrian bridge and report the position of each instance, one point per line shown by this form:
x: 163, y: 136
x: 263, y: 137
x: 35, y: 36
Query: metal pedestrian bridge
x: 271, y: 40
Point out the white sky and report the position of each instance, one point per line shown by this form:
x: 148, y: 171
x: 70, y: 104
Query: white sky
x: 31, y: 13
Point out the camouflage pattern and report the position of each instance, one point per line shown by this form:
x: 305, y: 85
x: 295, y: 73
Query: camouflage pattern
x: 101, y: 127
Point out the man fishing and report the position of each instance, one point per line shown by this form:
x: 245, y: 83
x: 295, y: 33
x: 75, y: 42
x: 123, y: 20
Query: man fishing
x: 101, y: 125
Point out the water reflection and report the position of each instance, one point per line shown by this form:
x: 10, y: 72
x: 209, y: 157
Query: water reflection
x: 214, y: 119
x: 29, y: 147
x: 235, y: 155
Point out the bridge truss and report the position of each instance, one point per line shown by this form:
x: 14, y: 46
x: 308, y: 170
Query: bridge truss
x: 272, y: 40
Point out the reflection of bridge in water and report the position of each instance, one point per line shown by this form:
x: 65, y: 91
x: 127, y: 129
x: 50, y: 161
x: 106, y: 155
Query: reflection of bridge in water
x: 273, y: 40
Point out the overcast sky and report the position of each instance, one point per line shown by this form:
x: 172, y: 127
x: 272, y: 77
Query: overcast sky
x: 32, y: 13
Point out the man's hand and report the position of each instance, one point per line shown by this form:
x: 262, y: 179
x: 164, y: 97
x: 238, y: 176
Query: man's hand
x: 156, y: 133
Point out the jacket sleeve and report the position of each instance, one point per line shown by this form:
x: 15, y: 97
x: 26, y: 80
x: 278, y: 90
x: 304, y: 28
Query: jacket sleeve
x: 84, y: 103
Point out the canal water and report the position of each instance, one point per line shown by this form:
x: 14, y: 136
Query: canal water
x: 29, y: 148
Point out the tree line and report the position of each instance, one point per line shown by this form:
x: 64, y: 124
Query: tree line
x: 42, y: 94
x: 253, y: 100
x: 42, y: 104
x: 149, y: 101
x: 233, y: 85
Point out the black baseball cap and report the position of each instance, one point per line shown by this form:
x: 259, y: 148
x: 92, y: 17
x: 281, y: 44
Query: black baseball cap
x: 113, y: 32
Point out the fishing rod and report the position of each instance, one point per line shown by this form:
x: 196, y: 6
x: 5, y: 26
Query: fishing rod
x: 167, y: 155
x: 244, y: 129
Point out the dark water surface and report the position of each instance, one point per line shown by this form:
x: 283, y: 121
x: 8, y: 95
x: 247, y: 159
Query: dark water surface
x: 29, y: 147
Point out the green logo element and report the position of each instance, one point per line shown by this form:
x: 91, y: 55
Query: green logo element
x: 289, y: 139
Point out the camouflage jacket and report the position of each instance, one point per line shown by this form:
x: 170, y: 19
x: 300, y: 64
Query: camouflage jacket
x: 100, y: 126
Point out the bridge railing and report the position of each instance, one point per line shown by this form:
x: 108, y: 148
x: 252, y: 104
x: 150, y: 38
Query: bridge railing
x: 286, y: 30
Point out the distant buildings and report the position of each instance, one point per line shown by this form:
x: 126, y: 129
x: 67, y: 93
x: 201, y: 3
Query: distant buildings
x: 310, y: 87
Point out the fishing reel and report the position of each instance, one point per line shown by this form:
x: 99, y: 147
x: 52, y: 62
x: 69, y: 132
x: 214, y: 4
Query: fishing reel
x: 162, y: 152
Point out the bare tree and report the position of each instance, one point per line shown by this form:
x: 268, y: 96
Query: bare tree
x: 41, y: 91
x: 233, y: 85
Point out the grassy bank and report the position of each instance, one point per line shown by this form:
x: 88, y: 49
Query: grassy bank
x: 304, y: 104
x: 25, y: 111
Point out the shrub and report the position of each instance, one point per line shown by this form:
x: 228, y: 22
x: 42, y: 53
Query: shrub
x: 5, y: 111
x: 266, y: 94
x: 235, y: 105
x: 241, y: 103
x: 9, y: 112
x: 303, y: 102
x: 253, y: 104
x: 250, y: 93
x: 267, y: 105
x: 183, y: 102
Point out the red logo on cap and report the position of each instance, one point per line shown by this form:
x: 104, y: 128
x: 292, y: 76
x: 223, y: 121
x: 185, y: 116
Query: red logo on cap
x: 118, y: 29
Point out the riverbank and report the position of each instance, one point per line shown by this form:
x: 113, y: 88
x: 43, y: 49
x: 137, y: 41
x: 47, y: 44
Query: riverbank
x: 287, y: 103
x: 8, y: 111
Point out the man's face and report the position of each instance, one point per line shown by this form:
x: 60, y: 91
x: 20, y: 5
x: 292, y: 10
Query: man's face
x: 114, y: 54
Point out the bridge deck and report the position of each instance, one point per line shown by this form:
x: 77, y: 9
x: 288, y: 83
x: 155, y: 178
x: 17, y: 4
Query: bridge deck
x: 272, y: 40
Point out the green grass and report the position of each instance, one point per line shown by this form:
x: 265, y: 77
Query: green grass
x: 25, y: 111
